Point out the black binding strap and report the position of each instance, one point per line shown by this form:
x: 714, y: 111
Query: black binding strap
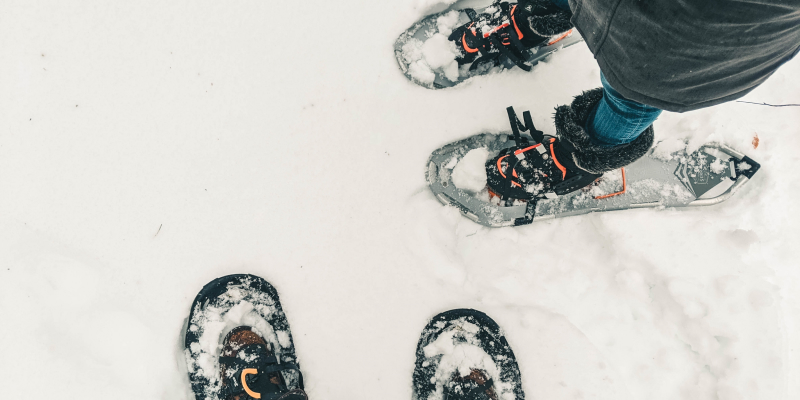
x: 530, y: 212
x: 516, y: 126
x: 537, y: 135
x: 471, y: 13
x: 511, y: 56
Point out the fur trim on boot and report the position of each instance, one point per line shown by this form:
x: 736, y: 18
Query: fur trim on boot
x: 588, y: 156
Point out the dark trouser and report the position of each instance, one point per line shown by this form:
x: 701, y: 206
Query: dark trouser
x: 616, y: 120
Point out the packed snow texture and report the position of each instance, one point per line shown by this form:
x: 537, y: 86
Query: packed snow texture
x: 436, y: 53
x: 149, y: 147
x: 470, y: 172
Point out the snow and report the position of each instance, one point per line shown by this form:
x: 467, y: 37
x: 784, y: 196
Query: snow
x: 447, y: 22
x: 149, y: 147
x: 717, y: 166
x: 470, y: 172
x: 440, y: 53
x: 435, y: 53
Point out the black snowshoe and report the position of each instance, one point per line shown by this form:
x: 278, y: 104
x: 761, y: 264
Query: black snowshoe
x: 255, y: 359
x: 489, y: 372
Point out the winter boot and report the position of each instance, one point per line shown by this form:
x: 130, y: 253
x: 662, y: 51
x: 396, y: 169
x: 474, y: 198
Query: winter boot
x: 548, y: 167
x: 535, y: 168
x: 509, y: 29
x: 463, y: 355
x: 579, y: 149
x: 546, y: 22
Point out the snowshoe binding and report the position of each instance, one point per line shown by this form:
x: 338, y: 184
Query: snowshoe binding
x: 530, y: 169
x: 531, y: 176
x: 447, y: 48
x: 238, y: 345
x: 463, y: 355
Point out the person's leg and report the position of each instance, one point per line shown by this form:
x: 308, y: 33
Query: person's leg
x: 562, y: 4
x: 617, y: 120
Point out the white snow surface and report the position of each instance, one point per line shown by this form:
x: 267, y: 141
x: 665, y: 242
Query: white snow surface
x: 149, y: 147
x: 440, y: 53
x: 435, y: 53
x: 470, y: 172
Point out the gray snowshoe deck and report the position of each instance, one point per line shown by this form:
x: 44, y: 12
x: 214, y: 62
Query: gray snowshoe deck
x: 407, y: 46
x: 708, y: 176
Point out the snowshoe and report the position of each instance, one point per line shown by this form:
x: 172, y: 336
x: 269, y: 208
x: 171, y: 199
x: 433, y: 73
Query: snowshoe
x: 531, y: 177
x: 238, y: 345
x: 463, y: 355
x: 447, y: 48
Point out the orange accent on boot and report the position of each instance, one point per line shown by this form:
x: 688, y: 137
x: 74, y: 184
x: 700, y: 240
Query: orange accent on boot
x: 500, y: 165
x: 558, y: 164
x: 527, y: 148
x: 565, y: 34
x: 486, y: 35
x: 464, y: 44
x: 515, y: 184
x: 624, y: 188
x: 234, y: 341
x: 516, y: 28
x: 464, y: 40
x: 249, y: 371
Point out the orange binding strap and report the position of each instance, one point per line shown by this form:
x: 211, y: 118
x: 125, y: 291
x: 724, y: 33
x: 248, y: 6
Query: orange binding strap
x: 249, y: 371
x: 486, y: 35
x: 565, y: 34
x: 516, y: 28
x: 500, y: 166
x: 527, y: 148
x: 624, y: 188
x: 464, y: 41
x: 500, y: 169
x: 558, y: 164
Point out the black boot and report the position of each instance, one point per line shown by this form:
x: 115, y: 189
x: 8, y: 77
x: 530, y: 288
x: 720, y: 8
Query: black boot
x: 545, y: 21
x: 577, y: 145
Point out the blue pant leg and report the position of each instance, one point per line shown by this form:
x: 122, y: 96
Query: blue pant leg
x: 617, y: 120
x: 562, y: 4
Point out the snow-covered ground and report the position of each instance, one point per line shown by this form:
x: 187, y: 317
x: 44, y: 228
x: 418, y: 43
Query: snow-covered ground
x: 148, y: 147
